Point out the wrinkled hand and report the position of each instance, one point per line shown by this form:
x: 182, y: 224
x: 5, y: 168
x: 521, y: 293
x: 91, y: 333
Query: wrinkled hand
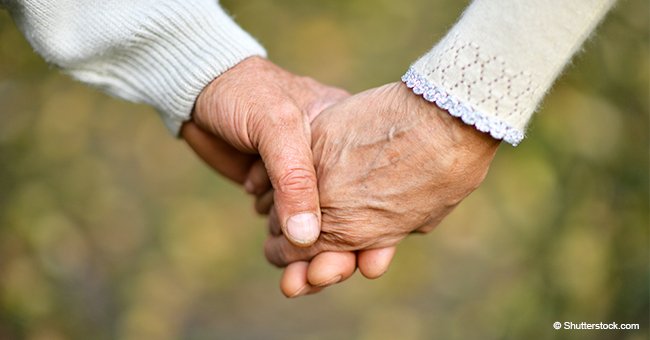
x: 388, y: 164
x: 258, y: 108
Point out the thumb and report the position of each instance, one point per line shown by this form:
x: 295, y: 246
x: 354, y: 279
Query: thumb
x: 284, y: 144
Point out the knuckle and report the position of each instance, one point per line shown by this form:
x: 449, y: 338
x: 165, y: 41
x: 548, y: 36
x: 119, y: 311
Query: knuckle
x: 344, y: 233
x: 343, y: 240
x: 308, y: 82
x: 356, y: 229
x: 282, y: 253
x: 285, y: 114
x: 297, y: 180
x: 274, y: 256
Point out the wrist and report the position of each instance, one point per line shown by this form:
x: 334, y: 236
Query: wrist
x: 462, y: 136
x: 226, y: 85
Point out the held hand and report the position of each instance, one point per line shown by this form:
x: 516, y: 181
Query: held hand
x: 257, y: 107
x: 388, y: 164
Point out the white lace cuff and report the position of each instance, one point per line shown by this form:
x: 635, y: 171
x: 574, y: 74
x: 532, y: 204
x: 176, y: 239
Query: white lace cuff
x: 497, y: 128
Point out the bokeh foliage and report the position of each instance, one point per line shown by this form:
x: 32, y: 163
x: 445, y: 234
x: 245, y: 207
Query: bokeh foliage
x: 110, y: 228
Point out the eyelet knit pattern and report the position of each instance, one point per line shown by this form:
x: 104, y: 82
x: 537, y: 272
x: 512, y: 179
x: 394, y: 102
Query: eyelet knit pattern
x: 497, y: 128
x: 495, y: 65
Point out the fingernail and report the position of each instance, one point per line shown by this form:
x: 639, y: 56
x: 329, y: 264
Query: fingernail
x: 300, y: 291
x: 330, y: 281
x: 303, y: 228
x: 248, y: 186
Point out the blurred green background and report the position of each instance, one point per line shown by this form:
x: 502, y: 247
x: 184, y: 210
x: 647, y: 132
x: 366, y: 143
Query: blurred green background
x: 111, y: 229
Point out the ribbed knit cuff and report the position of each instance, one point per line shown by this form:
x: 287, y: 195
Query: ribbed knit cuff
x: 176, y: 50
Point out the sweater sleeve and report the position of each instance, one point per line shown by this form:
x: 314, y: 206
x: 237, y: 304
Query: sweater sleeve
x: 158, y: 52
x: 494, y: 66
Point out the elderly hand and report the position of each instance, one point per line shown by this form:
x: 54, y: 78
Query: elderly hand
x: 388, y: 164
x: 257, y: 107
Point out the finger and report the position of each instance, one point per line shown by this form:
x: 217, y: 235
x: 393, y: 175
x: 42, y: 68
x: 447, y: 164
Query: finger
x: 330, y: 267
x: 280, y: 252
x: 328, y: 96
x: 373, y: 263
x: 257, y: 182
x: 264, y: 202
x: 273, y: 224
x: 218, y: 154
x: 294, y: 280
x: 285, y: 147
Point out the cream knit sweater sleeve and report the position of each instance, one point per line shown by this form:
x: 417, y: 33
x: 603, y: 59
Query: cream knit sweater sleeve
x: 494, y: 66
x: 159, y: 52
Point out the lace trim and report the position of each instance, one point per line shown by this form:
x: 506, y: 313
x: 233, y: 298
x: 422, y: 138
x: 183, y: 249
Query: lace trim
x: 434, y: 94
